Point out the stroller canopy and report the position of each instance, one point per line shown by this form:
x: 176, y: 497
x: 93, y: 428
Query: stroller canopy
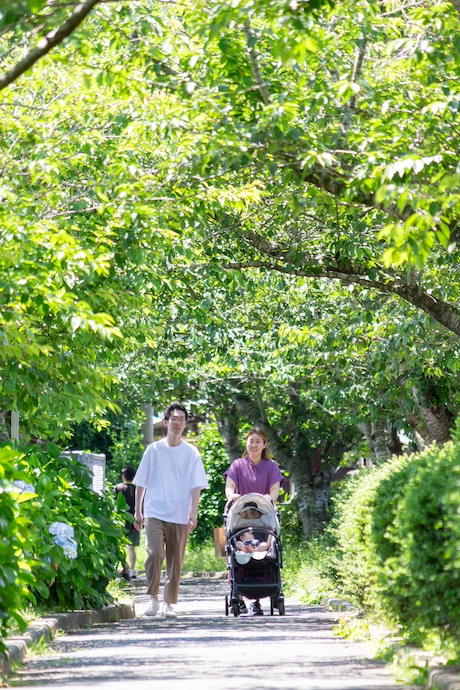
x: 252, y: 510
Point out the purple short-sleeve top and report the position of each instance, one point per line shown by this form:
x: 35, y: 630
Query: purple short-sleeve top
x: 251, y: 478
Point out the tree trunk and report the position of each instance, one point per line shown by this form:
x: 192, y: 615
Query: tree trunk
x: 147, y: 427
x: 312, y: 491
x: 377, y: 439
x: 381, y: 439
x: 421, y: 434
x: 366, y: 430
x: 394, y: 442
x: 437, y: 417
x: 228, y: 423
x: 439, y: 423
x: 4, y: 427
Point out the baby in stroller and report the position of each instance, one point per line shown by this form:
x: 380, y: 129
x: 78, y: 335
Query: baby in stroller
x: 248, y: 543
x: 254, y: 551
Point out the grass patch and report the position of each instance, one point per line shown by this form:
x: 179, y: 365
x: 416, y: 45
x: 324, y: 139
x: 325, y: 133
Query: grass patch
x: 30, y: 615
x: 304, y: 573
x: 117, y: 590
x: 38, y: 648
x: 202, y: 559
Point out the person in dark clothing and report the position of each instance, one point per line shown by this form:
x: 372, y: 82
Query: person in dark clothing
x: 128, y: 490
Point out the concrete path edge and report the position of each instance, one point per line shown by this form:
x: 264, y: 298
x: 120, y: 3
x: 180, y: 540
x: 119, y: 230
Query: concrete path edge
x: 46, y: 628
x: 439, y: 678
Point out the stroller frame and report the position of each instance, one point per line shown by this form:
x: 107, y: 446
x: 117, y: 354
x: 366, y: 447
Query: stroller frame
x: 255, y: 578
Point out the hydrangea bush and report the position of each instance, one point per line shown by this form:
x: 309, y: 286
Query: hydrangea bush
x: 60, y: 542
x: 78, y: 534
x: 16, y: 559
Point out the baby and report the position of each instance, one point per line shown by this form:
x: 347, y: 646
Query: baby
x: 246, y: 542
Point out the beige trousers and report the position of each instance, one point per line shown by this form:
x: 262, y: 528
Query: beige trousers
x: 158, y: 535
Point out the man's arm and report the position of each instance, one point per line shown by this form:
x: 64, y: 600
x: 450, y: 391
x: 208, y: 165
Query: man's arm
x: 192, y: 518
x: 139, y: 517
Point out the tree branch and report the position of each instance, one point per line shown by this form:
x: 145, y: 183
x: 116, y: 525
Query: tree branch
x: 47, y: 43
x: 254, y: 58
x: 260, y: 402
x: 444, y: 313
x: 350, y: 107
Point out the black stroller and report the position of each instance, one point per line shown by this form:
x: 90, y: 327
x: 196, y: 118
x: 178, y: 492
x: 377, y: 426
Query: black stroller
x: 255, y: 574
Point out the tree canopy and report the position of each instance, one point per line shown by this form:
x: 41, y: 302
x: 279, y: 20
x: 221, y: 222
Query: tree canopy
x: 258, y: 198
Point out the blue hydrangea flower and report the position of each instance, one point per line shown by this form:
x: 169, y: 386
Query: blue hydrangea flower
x: 24, y: 487
x: 70, y: 549
x: 63, y: 536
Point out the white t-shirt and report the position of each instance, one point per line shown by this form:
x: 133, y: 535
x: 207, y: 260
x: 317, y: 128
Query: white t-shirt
x: 169, y: 473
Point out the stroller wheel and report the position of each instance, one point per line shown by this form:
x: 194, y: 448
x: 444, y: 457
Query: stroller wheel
x: 227, y: 606
x: 235, y: 608
x: 271, y: 606
x: 280, y: 606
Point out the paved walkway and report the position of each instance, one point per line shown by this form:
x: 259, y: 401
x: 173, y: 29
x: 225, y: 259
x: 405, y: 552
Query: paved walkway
x: 204, y: 649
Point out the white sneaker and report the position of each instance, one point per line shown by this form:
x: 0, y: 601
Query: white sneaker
x: 169, y: 611
x: 133, y: 574
x: 153, y: 608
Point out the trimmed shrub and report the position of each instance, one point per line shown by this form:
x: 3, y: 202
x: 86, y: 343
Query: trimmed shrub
x: 353, y: 565
x: 396, y: 538
x: 417, y: 542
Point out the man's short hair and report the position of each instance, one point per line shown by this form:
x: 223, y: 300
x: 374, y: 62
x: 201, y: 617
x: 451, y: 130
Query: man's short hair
x: 175, y: 406
x: 128, y: 473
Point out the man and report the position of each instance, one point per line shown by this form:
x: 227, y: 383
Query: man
x: 128, y: 490
x: 169, y: 481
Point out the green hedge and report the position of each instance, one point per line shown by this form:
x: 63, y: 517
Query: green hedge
x: 396, y: 534
x: 61, y: 541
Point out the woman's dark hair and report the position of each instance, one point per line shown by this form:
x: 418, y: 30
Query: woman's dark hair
x: 128, y: 473
x: 259, y: 432
x: 172, y: 407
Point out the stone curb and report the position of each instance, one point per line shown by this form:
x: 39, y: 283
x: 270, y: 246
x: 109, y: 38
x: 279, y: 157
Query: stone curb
x: 46, y: 629
x: 340, y: 605
x: 439, y: 678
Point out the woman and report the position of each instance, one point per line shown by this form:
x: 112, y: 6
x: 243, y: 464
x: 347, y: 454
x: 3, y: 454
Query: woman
x: 255, y: 472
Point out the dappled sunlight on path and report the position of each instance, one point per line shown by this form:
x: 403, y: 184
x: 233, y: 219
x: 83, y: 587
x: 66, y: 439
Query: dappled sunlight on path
x: 204, y: 648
